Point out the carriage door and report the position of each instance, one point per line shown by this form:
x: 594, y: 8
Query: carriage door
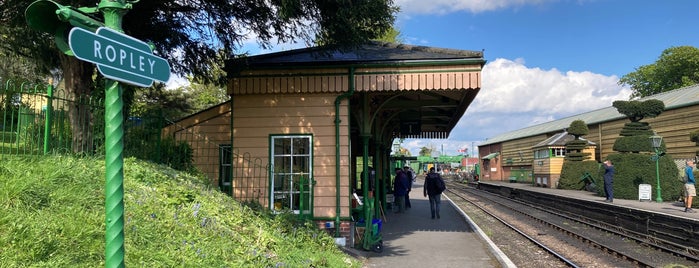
x: 291, y: 181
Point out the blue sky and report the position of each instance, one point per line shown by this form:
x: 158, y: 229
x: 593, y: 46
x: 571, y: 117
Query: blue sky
x: 547, y: 59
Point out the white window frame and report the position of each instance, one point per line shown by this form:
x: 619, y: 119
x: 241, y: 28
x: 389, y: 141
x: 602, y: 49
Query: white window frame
x: 288, y: 167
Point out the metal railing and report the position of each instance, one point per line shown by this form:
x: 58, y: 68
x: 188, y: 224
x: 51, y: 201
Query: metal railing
x: 239, y: 174
x: 37, y: 120
x: 40, y: 120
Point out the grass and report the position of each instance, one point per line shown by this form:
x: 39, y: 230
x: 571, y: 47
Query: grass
x: 52, y: 215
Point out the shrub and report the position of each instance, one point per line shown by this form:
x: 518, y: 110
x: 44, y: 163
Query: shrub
x: 635, y: 144
x: 634, y: 169
x: 573, y: 172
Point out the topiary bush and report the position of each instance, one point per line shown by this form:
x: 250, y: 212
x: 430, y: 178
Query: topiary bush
x: 573, y: 172
x: 635, y: 144
x: 634, y: 169
x: 574, y: 150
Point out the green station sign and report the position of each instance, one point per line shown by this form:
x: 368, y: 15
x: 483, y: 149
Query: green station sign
x: 118, y: 56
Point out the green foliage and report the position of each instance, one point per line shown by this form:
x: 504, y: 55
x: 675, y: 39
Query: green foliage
x: 158, y: 102
x: 393, y: 35
x: 53, y: 216
x: 636, y: 129
x: 573, y: 172
x: 193, y: 29
x: 578, y: 128
x: 635, y: 144
x: 694, y: 136
x: 637, y: 110
x: 635, y: 135
x: 143, y: 140
x: 634, y: 169
x: 574, y: 148
x: 424, y: 151
x: 675, y: 68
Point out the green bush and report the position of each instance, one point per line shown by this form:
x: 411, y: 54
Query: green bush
x: 144, y: 142
x: 635, y: 144
x: 634, y: 169
x: 573, y: 171
x: 636, y: 129
x: 574, y: 150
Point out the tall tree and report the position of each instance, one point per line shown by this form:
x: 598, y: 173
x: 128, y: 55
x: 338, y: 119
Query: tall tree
x: 192, y: 34
x: 675, y: 68
x: 424, y: 151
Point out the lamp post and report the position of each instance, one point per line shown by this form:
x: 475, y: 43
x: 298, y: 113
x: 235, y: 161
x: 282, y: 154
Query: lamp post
x: 656, y: 141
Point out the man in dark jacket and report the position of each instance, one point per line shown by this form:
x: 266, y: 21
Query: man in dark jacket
x: 433, y: 187
x: 400, y: 189
x: 409, y: 175
x: 608, y: 181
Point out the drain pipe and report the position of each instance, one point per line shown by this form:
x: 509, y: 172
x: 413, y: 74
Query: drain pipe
x: 338, y: 100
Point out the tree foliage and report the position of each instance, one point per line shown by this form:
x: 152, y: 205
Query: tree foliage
x: 192, y: 35
x: 675, y: 68
x: 424, y: 151
x: 195, y: 36
x: 637, y: 110
x: 578, y: 128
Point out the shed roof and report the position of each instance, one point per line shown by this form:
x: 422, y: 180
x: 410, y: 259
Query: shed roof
x: 559, y: 139
x: 673, y: 99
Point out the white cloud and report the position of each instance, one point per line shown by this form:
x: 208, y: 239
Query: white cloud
x: 514, y: 96
x: 449, y: 6
x: 510, y: 86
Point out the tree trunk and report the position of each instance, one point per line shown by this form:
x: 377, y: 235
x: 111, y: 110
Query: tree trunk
x: 78, y: 82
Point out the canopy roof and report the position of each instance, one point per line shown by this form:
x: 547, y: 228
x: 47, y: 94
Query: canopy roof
x: 410, y: 91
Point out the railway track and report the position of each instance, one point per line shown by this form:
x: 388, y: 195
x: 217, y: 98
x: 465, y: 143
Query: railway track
x: 567, y: 241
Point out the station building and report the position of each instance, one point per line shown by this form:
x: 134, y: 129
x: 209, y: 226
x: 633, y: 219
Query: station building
x: 518, y: 153
x: 311, y: 130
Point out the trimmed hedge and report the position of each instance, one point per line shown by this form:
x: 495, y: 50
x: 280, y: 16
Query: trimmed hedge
x: 634, y: 169
x: 573, y: 172
x: 635, y: 144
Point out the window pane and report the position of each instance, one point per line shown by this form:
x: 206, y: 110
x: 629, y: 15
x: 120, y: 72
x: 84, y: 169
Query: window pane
x: 301, y: 164
x: 282, y: 164
x: 282, y: 146
x: 301, y: 146
x: 281, y: 183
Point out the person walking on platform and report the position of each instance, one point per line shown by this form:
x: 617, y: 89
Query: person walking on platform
x: 409, y: 175
x: 608, y: 181
x: 689, y: 189
x: 400, y: 189
x: 433, y: 187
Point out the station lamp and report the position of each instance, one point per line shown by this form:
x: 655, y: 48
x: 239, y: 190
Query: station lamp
x: 656, y: 142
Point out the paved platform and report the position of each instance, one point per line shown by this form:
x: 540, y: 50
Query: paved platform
x: 668, y: 207
x: 413, y: 239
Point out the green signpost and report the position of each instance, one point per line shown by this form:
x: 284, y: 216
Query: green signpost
x: 118, y: 57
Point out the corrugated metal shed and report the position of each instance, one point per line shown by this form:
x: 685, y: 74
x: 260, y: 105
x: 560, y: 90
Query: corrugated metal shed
x: 673, y: 99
